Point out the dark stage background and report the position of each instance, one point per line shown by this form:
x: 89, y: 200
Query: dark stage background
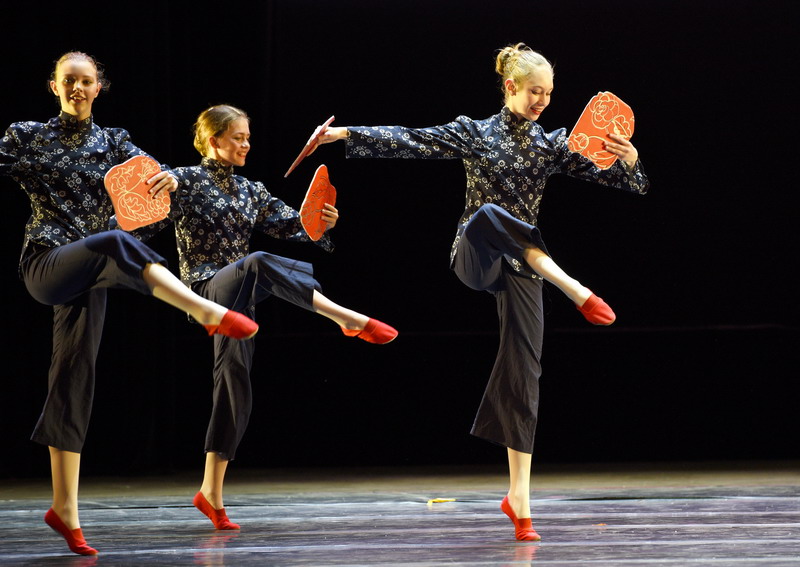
x: 700, y: 364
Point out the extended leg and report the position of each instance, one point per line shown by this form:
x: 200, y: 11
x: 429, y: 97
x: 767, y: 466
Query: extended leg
x: 593, y: 308
x: 354, y: 324
x: 216, y: 318
x: 546, y: 267
x: 346, y: 318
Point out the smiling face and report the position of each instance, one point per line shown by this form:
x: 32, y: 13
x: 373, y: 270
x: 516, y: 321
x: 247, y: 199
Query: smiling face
x: 232, y: 145
x: 528, y: 99
x: 76, y: 86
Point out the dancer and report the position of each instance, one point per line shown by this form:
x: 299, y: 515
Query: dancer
x: 70, y: 258
x: 498, y: 247
x: 215, y: 214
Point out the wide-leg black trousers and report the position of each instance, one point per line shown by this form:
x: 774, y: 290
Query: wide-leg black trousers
x: 240, y: 286
x: 73, y: 278
x: 508, y: 412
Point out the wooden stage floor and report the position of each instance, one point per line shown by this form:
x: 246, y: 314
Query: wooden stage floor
x: 726, y: 514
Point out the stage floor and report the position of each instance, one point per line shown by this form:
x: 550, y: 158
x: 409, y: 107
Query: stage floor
x: 675, y: 515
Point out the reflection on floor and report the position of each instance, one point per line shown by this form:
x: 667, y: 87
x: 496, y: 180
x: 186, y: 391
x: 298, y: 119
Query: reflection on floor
x: 676, y: 515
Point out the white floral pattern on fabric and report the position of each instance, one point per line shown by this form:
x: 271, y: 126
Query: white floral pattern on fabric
x: 61, y: 165
x: 507, y: 161
x: 216, y: 213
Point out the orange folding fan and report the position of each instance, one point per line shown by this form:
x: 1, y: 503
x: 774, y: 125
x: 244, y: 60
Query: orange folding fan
x: 320, y: 191
x: 605, y: 114
x: 133, y: 205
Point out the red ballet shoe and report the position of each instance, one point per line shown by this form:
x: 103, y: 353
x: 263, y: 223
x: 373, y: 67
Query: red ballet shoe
x: 374, y: 332
x: 74, y: 537
x: 523, y: 528
x: 233, y: 325
x: 597, y: 311
x: 218, y: 517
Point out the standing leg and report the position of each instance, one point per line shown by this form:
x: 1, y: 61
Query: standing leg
x: 508, y: 413
x: 77, y: 328
x: 509, y: 410
x: 519, y: 491
x: 209, y: 498
x: 213, y: 479
x: 235, y: 286
x: 63, y: 515
x: 230, y: 414
x: 516, y: 504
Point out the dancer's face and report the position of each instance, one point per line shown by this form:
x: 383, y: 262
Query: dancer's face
x: 231, y: 146
x: 76, y: 86
x: 529, y: 99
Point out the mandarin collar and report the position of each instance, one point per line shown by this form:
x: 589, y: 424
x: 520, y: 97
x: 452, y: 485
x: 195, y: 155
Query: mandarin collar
x: 217, y: 169
x: 70, y: 122
x: 512, y: 122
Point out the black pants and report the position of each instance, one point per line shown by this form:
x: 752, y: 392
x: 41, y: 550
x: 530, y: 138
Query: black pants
x: 508, y: 412
x: 239, y: 286
x: 73, y: 278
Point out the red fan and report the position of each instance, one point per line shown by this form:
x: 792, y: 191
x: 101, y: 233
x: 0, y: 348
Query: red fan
x: 310, y: 144
x: 127, y: 187
x: 319, y: 192
x: 605, y: 114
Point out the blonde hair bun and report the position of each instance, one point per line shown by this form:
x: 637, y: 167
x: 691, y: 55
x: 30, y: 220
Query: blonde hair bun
x: 517, y: 62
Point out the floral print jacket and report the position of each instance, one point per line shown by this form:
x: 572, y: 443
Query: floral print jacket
x: 61, y: 165
x: 507, y: 161
x: 216, y: 213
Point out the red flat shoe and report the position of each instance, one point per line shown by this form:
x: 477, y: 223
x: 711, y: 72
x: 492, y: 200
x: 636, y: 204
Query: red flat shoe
x: 218, y: 517
x: 74, y: 537
x: 234, y: 325
x: 523, y: 528
x: 374, y: 332
x: 597, y: 311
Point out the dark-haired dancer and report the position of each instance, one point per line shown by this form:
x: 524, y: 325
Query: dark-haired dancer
x: 498, y: 247
x: 70, y: 257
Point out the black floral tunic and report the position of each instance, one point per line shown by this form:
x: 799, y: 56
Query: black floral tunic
x: 507, y: 161
x: 61, y: 165
x: 216, y: 213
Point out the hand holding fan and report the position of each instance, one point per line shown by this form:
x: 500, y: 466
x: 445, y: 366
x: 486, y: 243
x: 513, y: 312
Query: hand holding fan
x: 605, y: 114
x: 309, y: 145
x: 127, y: 187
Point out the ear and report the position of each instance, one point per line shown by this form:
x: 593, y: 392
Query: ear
x: 53, y: 88
x: 511, y: 88
x: 212, y: 142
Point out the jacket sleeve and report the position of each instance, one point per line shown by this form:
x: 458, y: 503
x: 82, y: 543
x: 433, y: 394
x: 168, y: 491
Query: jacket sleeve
x: 618, y: 176
x: 279, y: 220
x: 449, y: 141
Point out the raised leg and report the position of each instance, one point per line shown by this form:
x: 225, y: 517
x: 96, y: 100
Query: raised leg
x: 593, y: 308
